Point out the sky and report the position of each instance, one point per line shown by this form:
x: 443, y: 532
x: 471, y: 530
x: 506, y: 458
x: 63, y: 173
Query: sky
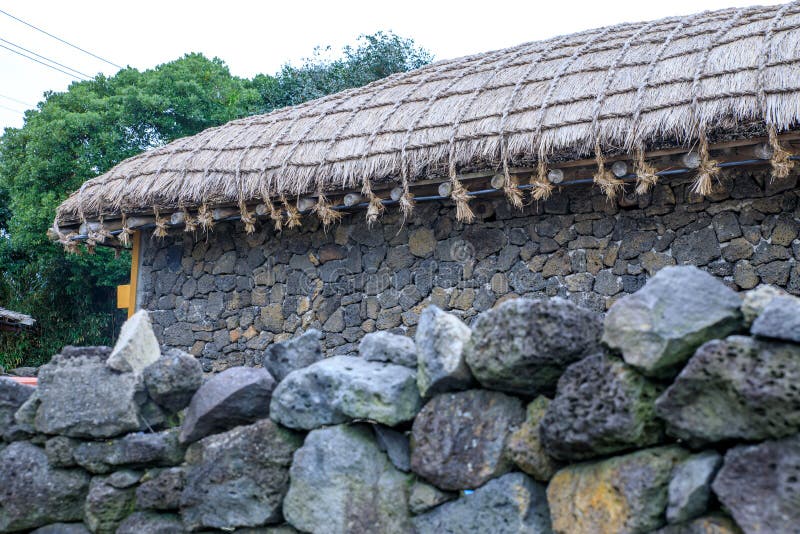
x: 259, y: 36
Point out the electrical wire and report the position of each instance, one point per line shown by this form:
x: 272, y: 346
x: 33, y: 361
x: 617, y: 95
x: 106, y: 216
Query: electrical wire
x: 46, y: 58
x: 11, y: 109
x: 42, y: 63
x: 18, y: 101
x: 61, y: 40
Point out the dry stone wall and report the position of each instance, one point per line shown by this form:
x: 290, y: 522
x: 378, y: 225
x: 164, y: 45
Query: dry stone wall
x: 676, y: 412
x: 226, y: 296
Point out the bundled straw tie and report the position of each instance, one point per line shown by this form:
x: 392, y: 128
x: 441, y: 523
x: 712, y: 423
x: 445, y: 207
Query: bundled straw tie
x: 406, y: 201
x: 609, y: 184
x: 707, y: 171
x: 323, y: 209
x: 375, y: 208
x: 460, y: 196
x: 646, y: 176
x: 292, y: 214
x: 204, y: 218
x: 70, y: 245
x: 510, y: 188
x: 189, y: 222
x: 274, y: 213
x: 248, y: 218
x: 781, y: 164
x: 161, y: 225
x: 127, y: 233
x: 542, y: 189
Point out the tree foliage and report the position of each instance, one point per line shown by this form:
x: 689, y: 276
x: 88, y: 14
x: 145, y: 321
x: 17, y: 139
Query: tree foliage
x: 86, y: 130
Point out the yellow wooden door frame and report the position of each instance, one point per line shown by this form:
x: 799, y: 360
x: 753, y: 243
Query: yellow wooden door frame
x: 126, y: 294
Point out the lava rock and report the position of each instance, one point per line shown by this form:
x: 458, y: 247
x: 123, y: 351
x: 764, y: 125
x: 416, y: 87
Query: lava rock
x: 341, y: 388
x: 136, y: 347
x: 459, y: 439
x: 238, y: 478
x: 780, y: 319
x: 440, y: 340
x: 623, y: 494
x: 424, y: 497
x: 736, y: 388
x: 236, y: 396
x: 759, y: 485
x: 710, y: 524
x: 690, y: 487
x: 134, y: 450
x: 351, y: 483
x: 33, y: 494
x: 150, y: 523
x: 511, y: 504
x: 107, y: 506
x: 161, y: 489
x: 602, y: 406
x: 106, y: 409
x: 173, y: 379
x: 60, y: 451
x: 62, y: 528
x: 659, y: 327
x: 282, y: 358
x: 12, y: 397
x: 395, y: 445
x: 755, y: 300
x: 525, y: 447
x: 523, y: 346
x: 391, y: 348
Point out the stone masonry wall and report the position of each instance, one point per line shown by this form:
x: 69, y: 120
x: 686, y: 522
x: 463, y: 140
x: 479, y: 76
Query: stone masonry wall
x: 226, y: 296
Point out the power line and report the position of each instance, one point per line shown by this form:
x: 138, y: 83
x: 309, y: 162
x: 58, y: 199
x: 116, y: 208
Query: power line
x: 61, y: 40
x: 11, y: 109
x: 41, y: 62
x: 17, y: 101
x: 46, y: 58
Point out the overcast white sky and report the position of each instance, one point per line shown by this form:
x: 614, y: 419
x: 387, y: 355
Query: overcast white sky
x: 253, y: 37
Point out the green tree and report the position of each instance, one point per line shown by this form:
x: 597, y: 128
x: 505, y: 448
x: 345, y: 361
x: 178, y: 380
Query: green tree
x: 86, y: 130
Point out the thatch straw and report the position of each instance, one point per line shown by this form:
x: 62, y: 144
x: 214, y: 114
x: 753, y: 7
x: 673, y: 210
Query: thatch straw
x: 625, y: 85
x: 126, y: 234
x: 542, y: 189
x: 293, y: 219
x: 161, y: 226
x: 189, y: 222
x: 646, y: 176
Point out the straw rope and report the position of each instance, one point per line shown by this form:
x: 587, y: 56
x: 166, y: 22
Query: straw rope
x: 646, y: 97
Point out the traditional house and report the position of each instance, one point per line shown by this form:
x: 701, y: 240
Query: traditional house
x: 11, y: 321
x: 574, y: 167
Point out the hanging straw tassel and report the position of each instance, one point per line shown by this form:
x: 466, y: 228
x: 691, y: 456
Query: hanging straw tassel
x: 542, y: 188
x: 781, y: 164
x: 204, y: 218
x: 91, y: 244
x: 161, y: 225
x: 406, y: 203
x: 323, y: 209
x: 292, y: 215
x: 103, y: 234
x: 609, y: 184
x: 374, y: 209
x: 511, y: 189
x: 126, y: 234
x: 70, y: 246
x: 189, y: 222
x: 274, y: 213
x: 460, y: 197
x: 248, y: 218
x: 646, y: 176
x: 707, y: 171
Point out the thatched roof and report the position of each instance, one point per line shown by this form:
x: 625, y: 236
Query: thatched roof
x: 11, y: 320
x: 627, y: 88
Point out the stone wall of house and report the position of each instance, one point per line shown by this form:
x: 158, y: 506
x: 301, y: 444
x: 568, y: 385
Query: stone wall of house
x: 675, y: 412
x: 226, y: 296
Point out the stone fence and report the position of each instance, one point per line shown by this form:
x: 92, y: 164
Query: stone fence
x: 677, y: 412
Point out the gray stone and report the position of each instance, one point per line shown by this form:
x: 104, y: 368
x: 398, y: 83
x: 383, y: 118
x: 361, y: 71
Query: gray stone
x: 459, y: 439
x: 107, y: 506
x: 12, y: 397
x: 658, y: 328
x: 511, y: 504
x: 124, y: 479
x: 441, y: 364
x: 225, y: 264
x: 106, y: 409
x: 60, y: 451
x: 523, y: 345
x: 386, y: 347
x: 423, y: 497
x: 697, y: 248
x: 621, y: 495
x: 236, y: 396
x: 133, y: 450
x: 395, y: 445
x: 351, y: 483
x: 690, y: 487
x: 173, y: 379
x: 755, y: 300
x: 341, y: 388
x: 602, y: 406
x: 759, y: 485
x: 726, y: 225
x: 282, y: 358
x: 238, y: 478
x: 714, y: 523
x: 780, y: 319
x: 150, y: 523
x: 525, y: 446
x: 136, y: 347
x: 62, y: 528
x: 161, y: 489
x: 736, y: 388
x: 33, y: 494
